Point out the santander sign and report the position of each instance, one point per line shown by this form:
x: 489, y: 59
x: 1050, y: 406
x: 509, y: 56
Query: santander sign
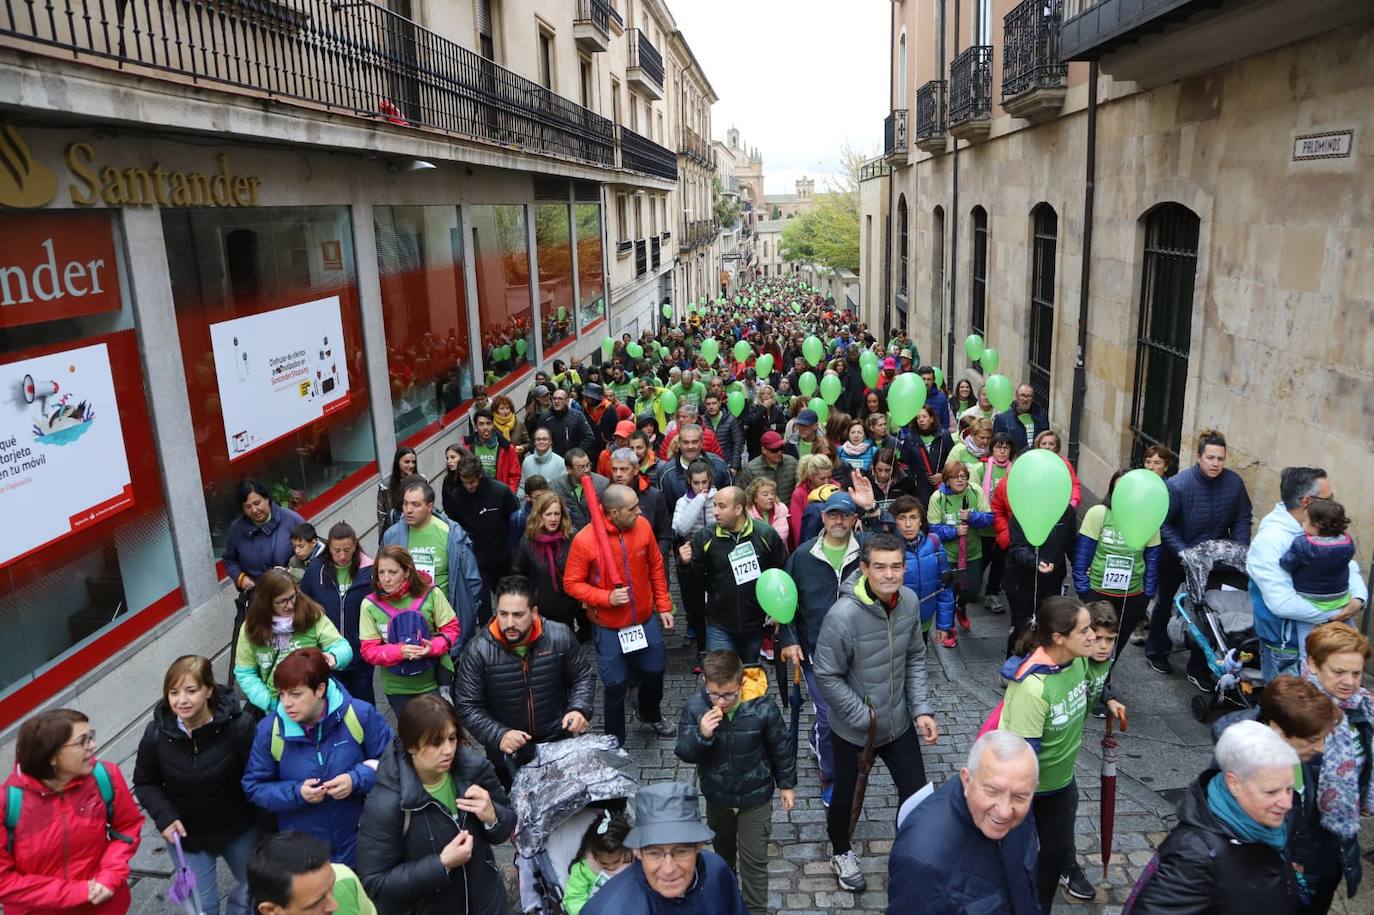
x: 55, y: 266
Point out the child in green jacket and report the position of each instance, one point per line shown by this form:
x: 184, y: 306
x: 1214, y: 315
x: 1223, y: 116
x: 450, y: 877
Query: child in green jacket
x: 602, y: 855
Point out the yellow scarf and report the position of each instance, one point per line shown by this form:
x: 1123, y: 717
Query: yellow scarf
x: 506, y: 428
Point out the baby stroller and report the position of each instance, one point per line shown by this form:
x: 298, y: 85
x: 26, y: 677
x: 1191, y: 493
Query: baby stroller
x: 1214, y: 610
x: 556, y: 797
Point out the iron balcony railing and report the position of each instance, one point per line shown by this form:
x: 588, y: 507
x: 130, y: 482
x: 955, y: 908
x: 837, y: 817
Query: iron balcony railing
x: 655, y: 246
x: 693, y: 146
x: 1030, y: 52
x: 640, y: 154
x: 876, y: 168
x: 970, y: 85
x: 930, y: 110
x: 597, y: 12
x: 894, y: 133
x: 644, y: 55
x: 641, y: 257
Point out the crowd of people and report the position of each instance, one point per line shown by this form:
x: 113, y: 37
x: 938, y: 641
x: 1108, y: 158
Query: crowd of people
x: 750, y: 454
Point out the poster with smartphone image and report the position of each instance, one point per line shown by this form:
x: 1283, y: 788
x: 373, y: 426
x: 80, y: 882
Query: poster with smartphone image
x: 279, y: 371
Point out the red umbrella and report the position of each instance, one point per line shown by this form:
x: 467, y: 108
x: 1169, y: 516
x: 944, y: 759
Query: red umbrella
x: 1107, y: 808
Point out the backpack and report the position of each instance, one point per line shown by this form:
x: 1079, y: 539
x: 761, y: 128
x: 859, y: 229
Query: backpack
x: 14, y: 805
x: 351, y: 723
x: 406, y: 626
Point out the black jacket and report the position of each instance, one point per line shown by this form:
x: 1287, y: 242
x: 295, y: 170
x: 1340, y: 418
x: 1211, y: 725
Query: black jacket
x: 197, y: 779
x: 749, y: 752
x: 921, y: 460
x: 1057, y: 549
x: 729, y: 435
x: 1009, y: 422
x: 398, y: 862
x: 485, y: 515
x: 553, y: 601
x: 733, y: 607
x: 1203, y: 868
x: 759, y: 419
x: 569, y: 429
x: 321, y: 585
x: 495, y: 689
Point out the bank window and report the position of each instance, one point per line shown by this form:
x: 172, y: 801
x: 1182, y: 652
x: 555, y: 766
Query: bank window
x: 591, y: 270
x: 500, y: 252
x: 552, y: 239
x: 271, y: 336
x: 425, y: 312
x: 86, y: 562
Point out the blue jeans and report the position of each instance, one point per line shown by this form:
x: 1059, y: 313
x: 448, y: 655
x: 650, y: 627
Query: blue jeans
x: 746, y: 644
x: 1276, y: 663
x: 820, y: 730
x: 203, y: 863
x: 614, y: 667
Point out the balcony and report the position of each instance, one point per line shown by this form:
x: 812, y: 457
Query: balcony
x: 645, y: 69
x: 357, y: 59
x: 697, y: 234
x: 1157, y: 41
x: 640, y: 154
x: 641, y: 258
x: 592, y: 25
x: 894, y: 137
x: 1033, y: 78
x: 876, y: 168
x: 930, y: 116
x: 691, y: 146
x: 970, y: 93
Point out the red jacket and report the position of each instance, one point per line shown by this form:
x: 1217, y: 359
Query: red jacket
x: 507, y: 461
x: 60, y: 844
x: 637, y: 551
x: 708, y: 442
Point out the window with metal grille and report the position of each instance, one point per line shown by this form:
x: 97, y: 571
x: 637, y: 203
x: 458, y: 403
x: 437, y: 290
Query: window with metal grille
x: 1166, y: 320
x: 937, y: 267
x: 902, y: 244
x: 978, y: 286
x: 1041, y: 355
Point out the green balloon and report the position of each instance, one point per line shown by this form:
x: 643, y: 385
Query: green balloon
x: 906, y: 395
x: 796, y: 308
x: 867, y: 357
x: 562, y: 312
x: 743, y: 350
x: 668, y: 401
x: 831, y: 388
x: 813, y: 349
x: 939, y: 376
x: 973, y: 346
x: 764, y: 365
x: 821, y: 407
x: 807, y: 383
x: 1038, y: 489
x: 667, y: 310
x: 710, y: 349
x: 869, y: 371
x: 776, y: 593
x: 990, y: 360
x: 635, y: 350
x: 607, y: 347
x: 998, y: 389
x: 735, y: 403
x: 1139, y: 503
x: 521, y: 345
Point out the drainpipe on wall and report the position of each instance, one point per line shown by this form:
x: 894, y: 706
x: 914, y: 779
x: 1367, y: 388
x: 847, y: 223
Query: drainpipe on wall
x: 1080, y: 366
x: 953, y: 273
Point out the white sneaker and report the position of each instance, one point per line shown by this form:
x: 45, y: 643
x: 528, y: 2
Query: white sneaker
x: 846, y: 868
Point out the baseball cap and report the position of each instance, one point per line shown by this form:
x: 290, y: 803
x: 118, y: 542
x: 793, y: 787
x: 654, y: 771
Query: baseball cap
x: 807, y: 418
x: 624, y: 429
x: 541, y: 391
x: 840, y: 502
x: 771, y: 440
x: 889, y: 363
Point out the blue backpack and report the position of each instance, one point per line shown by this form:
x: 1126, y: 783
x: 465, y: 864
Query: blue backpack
x: 407, y: 626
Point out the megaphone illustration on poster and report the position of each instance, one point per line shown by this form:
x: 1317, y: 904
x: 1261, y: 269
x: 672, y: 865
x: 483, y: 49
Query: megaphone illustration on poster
x: 39, y: 391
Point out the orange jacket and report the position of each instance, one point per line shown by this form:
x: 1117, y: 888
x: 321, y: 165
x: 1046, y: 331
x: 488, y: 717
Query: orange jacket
x: 641, y: 563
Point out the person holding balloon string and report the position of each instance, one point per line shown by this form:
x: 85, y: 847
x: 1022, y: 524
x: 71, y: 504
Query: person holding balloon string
x: 925, y: 447
x: 956, y: 513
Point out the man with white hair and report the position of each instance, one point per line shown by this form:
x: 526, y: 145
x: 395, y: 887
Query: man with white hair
x: 968, y: 846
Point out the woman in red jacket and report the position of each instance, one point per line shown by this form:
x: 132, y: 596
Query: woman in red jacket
x: 69, y: 832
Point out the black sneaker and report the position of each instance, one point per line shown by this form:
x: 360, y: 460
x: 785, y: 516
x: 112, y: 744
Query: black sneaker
x: 1100, y: 711
x: 1076, y: 885
x: 1160, y: 665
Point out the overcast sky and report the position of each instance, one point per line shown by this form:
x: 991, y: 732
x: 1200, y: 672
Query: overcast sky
x: 798, y: 78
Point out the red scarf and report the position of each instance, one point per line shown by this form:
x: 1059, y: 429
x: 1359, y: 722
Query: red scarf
x: 547, y: 545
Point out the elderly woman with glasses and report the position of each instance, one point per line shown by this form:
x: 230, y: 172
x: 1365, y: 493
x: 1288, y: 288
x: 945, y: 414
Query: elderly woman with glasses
x: 957, y: 512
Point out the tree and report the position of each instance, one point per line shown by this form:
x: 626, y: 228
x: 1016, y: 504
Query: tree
x: 726, y: 210
x: 828, y: 233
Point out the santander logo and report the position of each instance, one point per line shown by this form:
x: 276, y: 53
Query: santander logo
x: 24, y: 182
x: 56, y: 265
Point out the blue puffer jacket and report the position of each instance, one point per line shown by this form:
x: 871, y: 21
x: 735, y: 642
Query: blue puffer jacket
x: 942, y: 864
x: 464, y: 579
x: 329, y: 749
x: 255, y: 549
x: 713, y: 891
x: 1202, y: 509
x: 818, y: 586
x: 321, y: 584
x: 926, y: 565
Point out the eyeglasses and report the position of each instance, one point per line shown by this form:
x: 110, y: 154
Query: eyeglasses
x: 284, y: 601
x: 722, y: 697
x: 681, y: 854
x: 85, y: 741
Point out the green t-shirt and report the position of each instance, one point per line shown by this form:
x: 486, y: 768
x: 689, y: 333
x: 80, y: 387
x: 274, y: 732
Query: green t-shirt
x: 1098, y: 671
x: 487, y: 455
x: 1050, y: 708
x: 1116, y: 568
x: 349, y: 894
x: 625, y: 391
x: 372, y: 623
x: 803, y: 447
x: 1028, y: 421
x: 944, y: 509
x: 265, y: 658
x: 444, y: 792
x: 834, y: 554
x: 428, y: 546
x: 344, y: 576
x: 693, y: 395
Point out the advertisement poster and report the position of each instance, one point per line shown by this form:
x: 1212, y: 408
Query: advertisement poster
x: 279, y: 371
x: 62, y: 459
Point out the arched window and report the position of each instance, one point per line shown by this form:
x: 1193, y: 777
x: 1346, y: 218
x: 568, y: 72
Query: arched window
x: 1168, y: 272
x: 1040, y: 358
x: 902, y: 227
x: 978, y: 285
x: 901, y: 72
